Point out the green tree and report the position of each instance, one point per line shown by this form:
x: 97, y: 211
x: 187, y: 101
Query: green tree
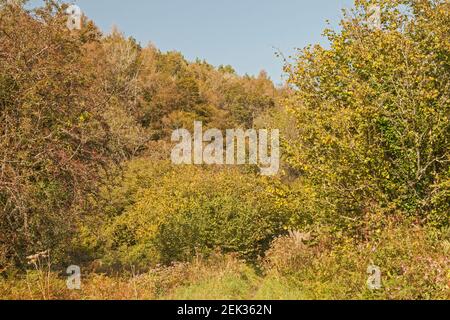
x: 372, y: 114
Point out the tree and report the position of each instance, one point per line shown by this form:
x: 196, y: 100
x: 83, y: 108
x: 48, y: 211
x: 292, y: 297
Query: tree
x: 54, y: 139
x: 372, y: 114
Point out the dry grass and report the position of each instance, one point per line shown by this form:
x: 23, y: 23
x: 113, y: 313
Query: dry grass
x: 413, y: 267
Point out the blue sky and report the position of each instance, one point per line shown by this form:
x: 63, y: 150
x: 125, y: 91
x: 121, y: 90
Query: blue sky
x: 242, y: 33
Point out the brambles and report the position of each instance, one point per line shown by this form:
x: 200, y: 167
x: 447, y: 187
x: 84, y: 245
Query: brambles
x: 74, y: 104
x: 54, y: 140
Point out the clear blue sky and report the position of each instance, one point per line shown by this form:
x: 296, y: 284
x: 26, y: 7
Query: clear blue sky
x: 242, y: 33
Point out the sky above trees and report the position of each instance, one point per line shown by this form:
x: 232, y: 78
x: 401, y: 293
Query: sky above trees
x: 244, y: 34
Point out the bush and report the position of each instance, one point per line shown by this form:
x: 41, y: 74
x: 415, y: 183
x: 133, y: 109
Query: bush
x: 175, y: 214
x: 54, y: 138
x: 413, y: 265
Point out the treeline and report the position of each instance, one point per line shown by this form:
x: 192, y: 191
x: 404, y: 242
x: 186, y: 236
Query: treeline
x: 85, y: 167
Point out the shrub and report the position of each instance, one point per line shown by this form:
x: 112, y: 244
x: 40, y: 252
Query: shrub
x: 192, y: 210
x: 54, y: 139
x: 413, y: 265
x: 372, y: 114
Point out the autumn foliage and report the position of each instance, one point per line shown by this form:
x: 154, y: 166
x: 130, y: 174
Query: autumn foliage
x: 85, y: 172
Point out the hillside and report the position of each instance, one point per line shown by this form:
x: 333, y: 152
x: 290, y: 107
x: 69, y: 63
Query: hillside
x: 87, y: 122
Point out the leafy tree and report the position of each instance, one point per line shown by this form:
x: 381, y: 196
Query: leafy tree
x: 54, y: 138
x: 372, y: 114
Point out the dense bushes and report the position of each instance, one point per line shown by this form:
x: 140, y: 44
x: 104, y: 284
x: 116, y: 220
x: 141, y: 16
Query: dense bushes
x: 175, y: 214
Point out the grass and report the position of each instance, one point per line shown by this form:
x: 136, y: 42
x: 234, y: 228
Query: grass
x: 413, y: 267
